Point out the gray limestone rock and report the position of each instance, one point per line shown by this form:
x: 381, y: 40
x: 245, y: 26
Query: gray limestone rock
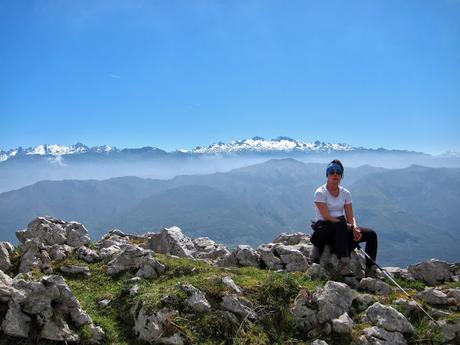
x: 433, y: 296
x: 375, y: 285
x: 172, y: 241
x: 450, y: 331
x: 48, y: 305
x: 89, y: 255
x: 196, y: 299
x: 333, y: 300
x: 268, y: 258
x: 6, y: 249
x: 388, y: 318
x: 330, y: 263
x: 150, y: 268
x: 292, y: 258
x: 379, y: 336
x: 228, y: 281
x: 49, y: 231
x: 454, y: 294
x: 208, y: 249
x: 247, y: 256
x: 343, y: 324
x: 237, y: 306
x: 292, y: 238
x: 432, y: 272
x: 75, y: 270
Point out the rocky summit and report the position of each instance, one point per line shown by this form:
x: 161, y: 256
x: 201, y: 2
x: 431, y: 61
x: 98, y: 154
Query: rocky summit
x: 59, y: 287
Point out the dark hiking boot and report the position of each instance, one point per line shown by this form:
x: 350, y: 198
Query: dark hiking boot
x: 344, y: 267
x: 371, y: 271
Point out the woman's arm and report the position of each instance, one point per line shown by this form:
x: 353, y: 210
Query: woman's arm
x: 322, y: 207
x: 351, y: 219
x: 349, y: 214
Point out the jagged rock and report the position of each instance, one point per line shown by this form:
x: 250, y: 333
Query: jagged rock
x: 77, y: 235
x: 292, y: 238
x: 151, y: 327
x: 454, y: 294
x: 268, y: 258
x: 6, y: 249
x: 89, y: 255
x: 433, y: 296
x: 150, y: 268
x: 172, y: 241
x: 398, y: 272
x: 76, y: 270
x: 208, y: 249
x: 432, y: 272
x: 228, y: 281
x: 47, y: 304
x: 247, y: 256
x: 333, y: 300
x: 49, y: 231
x: 330, y: 263
x: 31, y: 258
x: 304, y: 313
x: 134, y: 257
x: 239, y: 307
x: 108, y: 253
x: 379, y: 336
x: 196, y: 299
x: 59, y: 252
x: 227, y: 260
x: 388, y: 318
x: 450, y: 331
x: 114, y: 238
x: 343, y: 324
x: 292, y: 258
x: 58, y: 331
x: 375, y: 285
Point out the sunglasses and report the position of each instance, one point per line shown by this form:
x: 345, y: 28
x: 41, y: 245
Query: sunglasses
x: 334, y: 172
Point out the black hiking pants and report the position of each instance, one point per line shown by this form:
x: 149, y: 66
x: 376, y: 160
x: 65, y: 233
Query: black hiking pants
x: 339, y: 236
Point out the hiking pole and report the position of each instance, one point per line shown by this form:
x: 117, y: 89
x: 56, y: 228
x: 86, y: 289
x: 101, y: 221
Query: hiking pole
x: 399, y: 286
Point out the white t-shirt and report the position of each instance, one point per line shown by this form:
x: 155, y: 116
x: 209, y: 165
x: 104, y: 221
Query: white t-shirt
x: 334, y: 204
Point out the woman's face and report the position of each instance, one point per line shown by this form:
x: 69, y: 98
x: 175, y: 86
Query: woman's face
x: 334, y: 177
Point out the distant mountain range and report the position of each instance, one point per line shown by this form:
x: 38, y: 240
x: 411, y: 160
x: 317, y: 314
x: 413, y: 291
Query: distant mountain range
x: 255, y: 144
x: 413, y: 209
x: 24, y: 166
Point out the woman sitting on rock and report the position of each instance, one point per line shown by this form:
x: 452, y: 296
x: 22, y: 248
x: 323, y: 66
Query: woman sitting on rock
x: 335, y: 224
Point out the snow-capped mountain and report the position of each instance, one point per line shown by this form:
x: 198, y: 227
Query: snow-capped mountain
x: 255, y: 144
x: 55, y: 150
x: 280, y: 144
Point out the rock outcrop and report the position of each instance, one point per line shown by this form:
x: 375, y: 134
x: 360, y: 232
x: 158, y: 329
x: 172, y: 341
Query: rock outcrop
x: 162, y: 299
x: 44, y: 309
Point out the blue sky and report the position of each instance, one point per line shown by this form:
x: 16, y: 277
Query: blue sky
x: 177, y: 74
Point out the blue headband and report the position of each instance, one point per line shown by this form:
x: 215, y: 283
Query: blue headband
x: 334, y: 166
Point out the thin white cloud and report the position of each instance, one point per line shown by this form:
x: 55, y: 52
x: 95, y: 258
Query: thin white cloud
x: 114, y: 76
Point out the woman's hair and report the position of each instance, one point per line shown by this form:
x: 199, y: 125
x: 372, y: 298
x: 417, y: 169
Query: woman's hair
x: 339, y: 163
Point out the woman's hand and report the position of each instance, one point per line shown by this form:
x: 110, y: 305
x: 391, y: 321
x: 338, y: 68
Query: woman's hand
x: 357, y: 233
